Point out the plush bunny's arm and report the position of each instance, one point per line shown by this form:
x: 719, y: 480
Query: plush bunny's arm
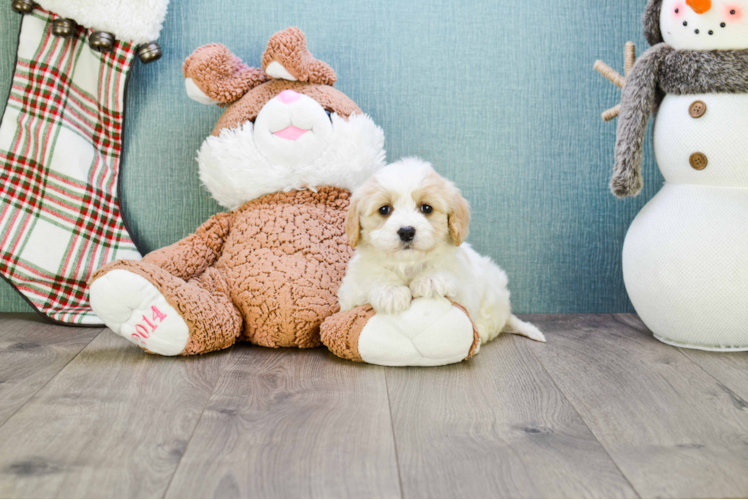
x: 637, y: 104
x: 191, y: 256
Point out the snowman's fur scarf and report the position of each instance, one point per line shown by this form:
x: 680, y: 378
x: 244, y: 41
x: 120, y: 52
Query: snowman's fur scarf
x: 637, y: 103
x: 704, y: 72
x: 663, y: 70
x: 234, y: 170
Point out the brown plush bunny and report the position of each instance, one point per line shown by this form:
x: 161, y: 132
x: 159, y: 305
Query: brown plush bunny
x: 283, y: 158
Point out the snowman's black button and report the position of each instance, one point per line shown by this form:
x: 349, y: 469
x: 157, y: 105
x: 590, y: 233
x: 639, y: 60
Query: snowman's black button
x: 698, y: 161
x: 697, y: 109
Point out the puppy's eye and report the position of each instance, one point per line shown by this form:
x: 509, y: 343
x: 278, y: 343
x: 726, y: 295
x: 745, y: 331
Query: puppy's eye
x: 427, y: 209
x: 385, y: 210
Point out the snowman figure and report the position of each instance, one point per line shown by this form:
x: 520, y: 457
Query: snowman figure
x: 685, y: 258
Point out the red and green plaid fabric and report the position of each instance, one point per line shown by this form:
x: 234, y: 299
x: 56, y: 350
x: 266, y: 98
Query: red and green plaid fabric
x: 60, y: 150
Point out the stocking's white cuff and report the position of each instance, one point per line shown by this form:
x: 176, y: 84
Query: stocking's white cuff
x: 137, y: 21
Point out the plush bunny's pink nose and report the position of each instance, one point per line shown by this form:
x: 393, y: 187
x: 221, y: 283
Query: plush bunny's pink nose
x: 288, y: 96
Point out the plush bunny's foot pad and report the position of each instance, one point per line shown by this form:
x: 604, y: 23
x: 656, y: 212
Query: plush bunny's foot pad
x: 133, y: 308
x: 163, y: 313
x: 433, y: 332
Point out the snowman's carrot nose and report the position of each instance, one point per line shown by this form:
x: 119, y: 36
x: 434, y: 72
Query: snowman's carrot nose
x: 700, y: 6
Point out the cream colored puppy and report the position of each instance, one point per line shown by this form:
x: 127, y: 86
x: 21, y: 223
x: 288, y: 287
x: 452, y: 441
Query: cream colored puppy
x: 408, y: 225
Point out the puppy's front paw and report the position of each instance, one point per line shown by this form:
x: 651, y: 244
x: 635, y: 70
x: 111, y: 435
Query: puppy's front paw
x: 433, y: 286
x: 390, y: 299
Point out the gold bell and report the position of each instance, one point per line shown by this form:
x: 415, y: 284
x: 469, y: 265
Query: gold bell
x: 150, y: 52
x: 101, y: 41
x: 23, y: 6
x: 64, y: 27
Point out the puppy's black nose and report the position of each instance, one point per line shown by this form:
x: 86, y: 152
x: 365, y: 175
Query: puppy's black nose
x: 407, y: 233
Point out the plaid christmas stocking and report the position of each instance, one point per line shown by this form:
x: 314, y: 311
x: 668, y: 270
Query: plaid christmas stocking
x: 60, y: 151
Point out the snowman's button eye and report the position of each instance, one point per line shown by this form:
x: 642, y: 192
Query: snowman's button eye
x: 677, y: 10
x: 711, y: 32
x: 685, y: 23
x: 732, y: 12
x: 723, y: 25
x: 696, y: 31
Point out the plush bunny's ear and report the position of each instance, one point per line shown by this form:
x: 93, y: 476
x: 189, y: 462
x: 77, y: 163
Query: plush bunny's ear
x: 213, y: 75
x: 287, y: 58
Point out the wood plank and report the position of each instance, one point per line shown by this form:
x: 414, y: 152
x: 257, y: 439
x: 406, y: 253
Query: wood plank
x: 32, y: 351
x: 495, y: 426
x: 114, y: 422
x: 673, y: 430
x: 730, y: 368
x: 289, y: 423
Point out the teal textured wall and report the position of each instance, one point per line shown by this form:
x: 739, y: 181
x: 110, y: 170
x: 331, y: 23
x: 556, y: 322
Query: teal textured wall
x: 499, y: 95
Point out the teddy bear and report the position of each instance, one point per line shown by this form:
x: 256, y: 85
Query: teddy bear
x: 282, y: 159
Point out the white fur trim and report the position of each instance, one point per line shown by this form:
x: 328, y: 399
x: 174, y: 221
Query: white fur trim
x: 197, y: 95
x: 136, y: 21
x: 277, y: 71
x: 234, y: 171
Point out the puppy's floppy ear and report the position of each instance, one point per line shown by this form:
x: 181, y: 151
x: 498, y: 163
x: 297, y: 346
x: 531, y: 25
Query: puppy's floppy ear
x: 353, y: 222
x: 459, y: 218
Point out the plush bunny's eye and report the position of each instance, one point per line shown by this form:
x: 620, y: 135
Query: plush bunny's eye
x: 385, y: 210
x: 329, y: 114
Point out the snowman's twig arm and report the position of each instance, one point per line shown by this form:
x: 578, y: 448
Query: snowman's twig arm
x: 612, y: 113
x: 637, y: 103
x: 612, y: 75
x: 629, y: 58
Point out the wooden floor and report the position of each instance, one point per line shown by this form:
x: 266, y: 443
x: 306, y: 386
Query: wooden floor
x: 602, y: 410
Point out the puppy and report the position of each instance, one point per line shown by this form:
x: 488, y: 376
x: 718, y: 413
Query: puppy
x: 408, y: 226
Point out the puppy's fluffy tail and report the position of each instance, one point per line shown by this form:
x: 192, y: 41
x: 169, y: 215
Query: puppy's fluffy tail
x: 519, y: 327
